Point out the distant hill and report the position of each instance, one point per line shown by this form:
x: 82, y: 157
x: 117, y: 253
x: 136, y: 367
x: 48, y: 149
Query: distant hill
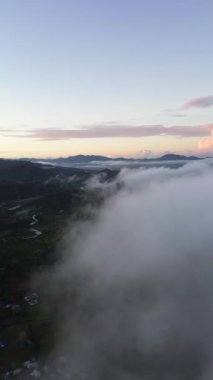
x: 26, y: 171
x: 87, y: 159
x: 80, y: 159
x: 23, y: 179
x: 178, y: 157
x: 35, y: 170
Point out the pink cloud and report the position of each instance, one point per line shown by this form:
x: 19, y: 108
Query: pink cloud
x: 203, y: 102
x: 118, y: 131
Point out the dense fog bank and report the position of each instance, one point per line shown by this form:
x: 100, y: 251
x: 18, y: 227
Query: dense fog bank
x: 135, y: 291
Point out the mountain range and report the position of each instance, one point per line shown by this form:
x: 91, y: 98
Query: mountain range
x: 87, y: 159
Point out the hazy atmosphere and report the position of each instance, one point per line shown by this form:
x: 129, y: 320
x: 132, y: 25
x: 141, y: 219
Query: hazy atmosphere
x: 106, y: 190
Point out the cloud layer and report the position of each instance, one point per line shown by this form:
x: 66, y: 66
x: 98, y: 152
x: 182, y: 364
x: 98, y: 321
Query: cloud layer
x: 118, y: 131
x: 143, y: 306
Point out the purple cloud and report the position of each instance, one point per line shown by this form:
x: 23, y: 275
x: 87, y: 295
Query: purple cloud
x: 204, y: 102
x: 113, y: 131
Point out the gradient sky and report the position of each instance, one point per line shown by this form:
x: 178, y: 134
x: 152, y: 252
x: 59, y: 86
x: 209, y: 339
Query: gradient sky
x: 80, y: 77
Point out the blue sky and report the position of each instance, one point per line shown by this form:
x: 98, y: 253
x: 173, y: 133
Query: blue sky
x: 68, y: 65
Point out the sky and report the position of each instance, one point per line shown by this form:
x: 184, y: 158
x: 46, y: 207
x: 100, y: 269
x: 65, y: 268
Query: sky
x: 112, y: 77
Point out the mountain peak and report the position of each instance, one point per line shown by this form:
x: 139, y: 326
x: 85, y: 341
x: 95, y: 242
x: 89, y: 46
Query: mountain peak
x: 173, y: 156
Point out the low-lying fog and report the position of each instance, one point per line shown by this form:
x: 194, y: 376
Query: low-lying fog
x: 134, y: 293
x: 117, y: 164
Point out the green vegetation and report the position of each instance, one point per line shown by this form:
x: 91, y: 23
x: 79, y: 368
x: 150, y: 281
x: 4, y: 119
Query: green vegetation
x: 33, y: 216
